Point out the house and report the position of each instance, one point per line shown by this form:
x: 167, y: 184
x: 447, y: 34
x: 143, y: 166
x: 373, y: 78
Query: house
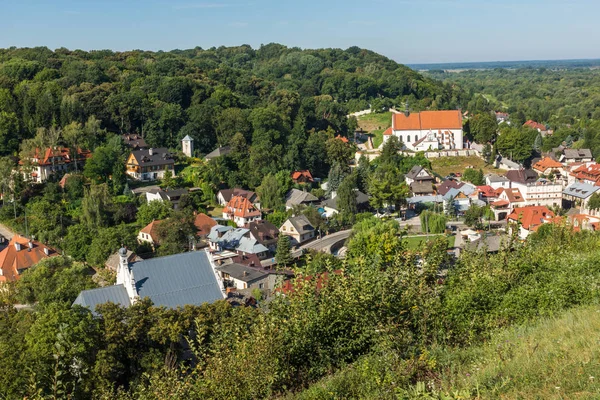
x: 448, y: 184
x: 513, y: 196
x: 241, y: 211
x: 547, y: 166
x: 330, y: 206
x: 487, y: 194
x: 542, y: 192
x: 172, y: 196
x: 530, y: 218
x: 418, y: 174
x: 587, y: 173
x: 148, y: 234
x: 461, y: 199
x: 502, y: 117
x: 505, y: 163
x: 583, y: 222
x: 577, y: 195
x: 427, y: 130
x: 571, y: 156
x: 265, y: 233
x: 302, y: 176
x: 536, y: 125
x: 52, y: 161
x: 297, y: 197
x: 20, y: 254
x: 243, y: 277
x: 149, y: 164
x: 187, y: 146
x: 112, y: 263
x: 134, y: 141
x: 218, y: 152
x: 236, y: 240
x: 203, y: 224
x: 523, y: 176
x: 298, y: 228
x: 422, y: 188
x: 172, y: 282
x: 224, y: 196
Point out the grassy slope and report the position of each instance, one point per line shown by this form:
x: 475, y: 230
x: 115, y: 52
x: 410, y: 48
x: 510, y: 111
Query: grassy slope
x: 446, y: 165
x: 555, y: 358
x: 375, y: 124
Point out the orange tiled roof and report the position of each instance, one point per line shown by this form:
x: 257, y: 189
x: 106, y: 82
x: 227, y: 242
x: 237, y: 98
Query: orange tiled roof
x: 302, y: 174
x: 388, y: 131
x: 427, y: 120
x: 203, y: 223
x: 62, y: 153
x: 343, y: 139
x: 535, y: 125
x: 514, y: 195
x: 531, y: 217
x: 487, y: 191
x: 241, y: 207
x: 13, y: 261
x: 150, y: 229
x: 546, y: 163
x: 588, y: 173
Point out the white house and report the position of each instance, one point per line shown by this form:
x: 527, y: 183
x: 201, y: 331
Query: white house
x: 427, y: 130
x: 543, y: 192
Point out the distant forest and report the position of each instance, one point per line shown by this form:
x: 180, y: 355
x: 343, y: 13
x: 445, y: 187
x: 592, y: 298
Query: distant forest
x: 549, y: 64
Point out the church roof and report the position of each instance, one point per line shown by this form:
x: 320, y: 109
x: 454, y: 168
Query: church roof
x: 425, y: 120
x: 187, y: 138
x: 91, y: 298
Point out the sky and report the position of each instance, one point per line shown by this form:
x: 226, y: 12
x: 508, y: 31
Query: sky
x: 407, y: 31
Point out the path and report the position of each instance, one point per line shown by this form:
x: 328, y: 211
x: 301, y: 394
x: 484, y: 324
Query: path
x: 6, y: 232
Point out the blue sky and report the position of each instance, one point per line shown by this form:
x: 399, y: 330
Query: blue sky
x: 408, y: 31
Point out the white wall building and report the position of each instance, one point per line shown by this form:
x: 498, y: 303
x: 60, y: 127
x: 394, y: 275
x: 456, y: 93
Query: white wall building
x: 541, y: 193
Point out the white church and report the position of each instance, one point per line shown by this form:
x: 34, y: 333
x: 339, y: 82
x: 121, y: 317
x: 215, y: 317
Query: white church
x: 427, y: 130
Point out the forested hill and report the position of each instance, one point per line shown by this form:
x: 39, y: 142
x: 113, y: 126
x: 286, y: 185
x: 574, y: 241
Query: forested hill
x: 207, y: 94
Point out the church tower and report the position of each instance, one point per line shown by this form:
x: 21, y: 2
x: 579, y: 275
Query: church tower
x: 187, y: 144
x: 125, y: 276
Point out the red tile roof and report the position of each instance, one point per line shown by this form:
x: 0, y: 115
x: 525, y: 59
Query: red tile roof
x: 150, y: 229
x: 531, y: 217
x: 13, y: 261
x: 427, y: 120
x: 514, y: 195
x: 388, y: 131
x: 203, y: 223
x: 546, y: 163
x: 241, y: 207
x: 588, y: 173
x: 343, y: 139
x: 304, y: 175
x: 62, y: 155
x: 486, y: 191
x: 535, y: 125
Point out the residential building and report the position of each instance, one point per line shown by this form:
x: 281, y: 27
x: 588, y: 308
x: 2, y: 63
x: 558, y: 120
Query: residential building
x: 243, y: 277
x: 547, y: 166
x: 297, y: 197
x: 303, y: 176
x: 418, y: 174
x: 171, y: 281
x: 461, y: 198
x: 419, y: 188
x: 134, y: 141
x: 577, y: 195
x: 571, y: 156
x: 203, y: 224
x: 187, y: 146
x: 171, y: 196
x: 502, y: 117
x: 587, y: 173
x: 148, y: 234
x: 536, y: 125
x: 150, y: 164
x: 330, y: 206
x: 236, y: 240
x: 427, y: 130
x: 530, y: 219
x: 487, y: 194
x: 583, y: 222
x: 224, y: 196
x: 448, y: 184
x: 265, y: 233
x: 508, y: 200
x: 241, y: 211
x: 52, y: 161
x: 218, y: 152
x: 298, y: 228
x: 542, y: 192
x: 20, y: 254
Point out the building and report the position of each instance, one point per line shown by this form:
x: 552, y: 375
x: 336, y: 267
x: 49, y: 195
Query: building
x: 134, y: 141
x: 218, y: 152
x: 297, y: 197
x: 224, y: 196
x: 418, y: 174
x: 547, y: 166
x: 571, y: 156
x: 150, y: 164
x: 238, y: 241
x: 542, y: 192
x: 52, y: 161
x: 448, y: 184
x: 303, y: 176
x: 587, y: 173
x: 241, y: 211
x: 149, y: 234
x: 502, y: 117
x: 171, y: 196
x: 171, y: 282
x: 427, y: 130
x: 21, y: 254
x: 530, y: 219
x: 422, y: 188
x: 522, y: 176
x: 330, y: 206
x: 536, y: 125
x: 298, y: 228
x: 203, y: 224
x: 487, y: 194
x: 265, y: 233
x: 187, y: 146
x: 243, y: 277
x: 112, y: 263
x: 577, y: 195
x: 583, y: 222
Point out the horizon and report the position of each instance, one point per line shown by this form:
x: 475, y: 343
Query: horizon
x: 409, y: 32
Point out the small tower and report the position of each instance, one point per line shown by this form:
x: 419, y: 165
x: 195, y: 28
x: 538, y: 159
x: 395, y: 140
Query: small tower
x: 125, y: 276
x: 187, y: 144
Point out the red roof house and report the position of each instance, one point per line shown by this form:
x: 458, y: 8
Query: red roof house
x: 303, y: 176
x: 20, y: 254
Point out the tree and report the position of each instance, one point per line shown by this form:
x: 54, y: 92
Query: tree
x: 483, y: 127
x: 338, y: 151
x: 270, y: 192
x: 539, y: 142
x: 153, y: 210
x: 283, y: 255
x: 96, y: 206
x: 346, y: 196
x: 175, y: 234
x: 73, y: 135
x: 475, y: 176
x: 99, y: 167
x: 335, y: 178
x: 594, y: 202
x: 390, y: 152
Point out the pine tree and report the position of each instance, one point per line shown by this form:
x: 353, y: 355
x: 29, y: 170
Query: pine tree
x: 283, y: 255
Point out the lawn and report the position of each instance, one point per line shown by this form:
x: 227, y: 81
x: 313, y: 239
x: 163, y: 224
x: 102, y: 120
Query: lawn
x: 377, y: 138
x: 445, y: 165
x: 375, y: 121
x: 215, y: 212
x: 413, y: 242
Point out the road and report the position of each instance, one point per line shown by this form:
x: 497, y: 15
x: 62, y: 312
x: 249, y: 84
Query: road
x: 325, y: 243
x: 6, y: 232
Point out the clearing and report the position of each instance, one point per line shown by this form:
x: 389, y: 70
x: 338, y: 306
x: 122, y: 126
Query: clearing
x: 445, y: 165
x: 375, y: 124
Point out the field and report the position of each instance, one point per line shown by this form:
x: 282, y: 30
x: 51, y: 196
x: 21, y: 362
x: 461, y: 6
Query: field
x: 445, y: 165
x: 413, y: 242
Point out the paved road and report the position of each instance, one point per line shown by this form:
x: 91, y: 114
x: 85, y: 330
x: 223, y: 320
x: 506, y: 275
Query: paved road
x: 325, y: 243
x: 6, y: 232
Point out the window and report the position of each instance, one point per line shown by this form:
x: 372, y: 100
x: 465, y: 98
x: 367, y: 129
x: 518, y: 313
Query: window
x: 261, y: 285
x: 408, y: 138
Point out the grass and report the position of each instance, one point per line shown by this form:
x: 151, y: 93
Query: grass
x: 445, y: 165
x: 375, y: 121
x: 414, y: 242
x: 377, y: 138
x: 215, y: 212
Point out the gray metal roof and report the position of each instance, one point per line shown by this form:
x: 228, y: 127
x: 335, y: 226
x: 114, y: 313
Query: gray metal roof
x: 160, y: 156
x: 187, y: 138
x: 491, y: 178
x: 93, y: 297
x: 213, y: 236
x: 242, y: 272
x: 425, y: 199
x: 251, y: 246
x: 218, y: 152
x: 580, y: 190
x: 295, y: 197
x: 177, y: 280
x: 577, y: 153
x: 302, y: 224
x: 361, y: 198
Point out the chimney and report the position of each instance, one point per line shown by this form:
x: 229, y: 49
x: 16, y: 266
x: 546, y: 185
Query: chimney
x: 245, y: 273
x: 30, y: 244
x: 150, y: 151
x: 18, y: 246
x: 46, y: 251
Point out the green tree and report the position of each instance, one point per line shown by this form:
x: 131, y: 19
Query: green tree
x: 270, y: 192
x: 153, y: 210
x: 475, y: 176
x: 96, y: 206
x: 283, y: 255
x: 483, y: 127
x: 346, y: 196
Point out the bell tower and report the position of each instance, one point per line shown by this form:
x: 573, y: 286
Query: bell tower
x: 187, y: 145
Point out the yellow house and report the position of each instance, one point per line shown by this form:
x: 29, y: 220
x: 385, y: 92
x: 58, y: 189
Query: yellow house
x: 149, y: 164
